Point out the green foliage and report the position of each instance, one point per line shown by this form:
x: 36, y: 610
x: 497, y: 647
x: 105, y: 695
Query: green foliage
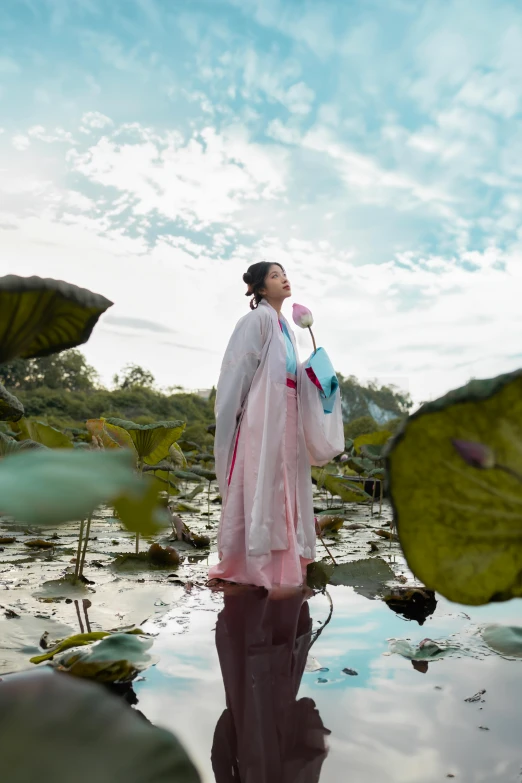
x: 64, y: 409
x: 358, y: 400
x: 134, y: 377
x: 460, y: 524
x: 67, y: 370
x: 360, y: 426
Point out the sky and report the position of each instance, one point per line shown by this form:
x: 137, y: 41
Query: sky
x: 150, y: 150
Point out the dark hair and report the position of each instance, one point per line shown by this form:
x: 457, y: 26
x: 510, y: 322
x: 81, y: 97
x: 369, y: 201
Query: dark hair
x: 255, y: 277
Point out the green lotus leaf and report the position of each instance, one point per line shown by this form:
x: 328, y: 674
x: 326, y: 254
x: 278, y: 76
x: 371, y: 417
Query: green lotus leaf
x: 460, y: 526
x: 343, y: 488
x: 9, y: 446
x: 187, y: 475
x: 318, y: 574
x: 42, y: 433
x: 111, y: 436
x: 71, y: 722
x: 140, y: 511
x: 50, y: 487
x: 372, y: 439
x: 39, y: 316
x: 504, y: 639
x: 11, y: 409
x: 209, y: 475
x: 372, y: 451
x: 151, y: 441
x: 367, y: 577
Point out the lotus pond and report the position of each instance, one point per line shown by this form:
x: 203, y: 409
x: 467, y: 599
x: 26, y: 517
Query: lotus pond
x: 345, y: 683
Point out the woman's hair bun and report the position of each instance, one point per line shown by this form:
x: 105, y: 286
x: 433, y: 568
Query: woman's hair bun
x: 247, y: 278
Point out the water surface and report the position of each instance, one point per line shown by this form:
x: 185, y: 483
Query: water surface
x: 389, y: 722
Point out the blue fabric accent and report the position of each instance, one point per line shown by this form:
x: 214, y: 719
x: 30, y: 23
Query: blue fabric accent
x: 325, y: 374
x: 291, y: 361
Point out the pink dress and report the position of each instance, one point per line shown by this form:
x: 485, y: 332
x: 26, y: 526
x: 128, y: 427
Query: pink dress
x: 269, y: 430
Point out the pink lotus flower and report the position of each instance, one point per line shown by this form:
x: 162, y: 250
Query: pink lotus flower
x: 302, y: 316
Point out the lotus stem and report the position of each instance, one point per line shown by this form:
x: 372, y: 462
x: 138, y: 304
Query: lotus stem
x: 208, y: 500
x: 313, y: 338
x: 137, y: 543
x: 85, y: 544
x: 319, y: 533
x: 373, y: 496
x: 168, y: 485
x: 78, y: 615
x: 79, y: 551
x: 381, y: 482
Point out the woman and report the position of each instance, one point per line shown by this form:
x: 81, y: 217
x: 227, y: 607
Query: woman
x: 270, y: 427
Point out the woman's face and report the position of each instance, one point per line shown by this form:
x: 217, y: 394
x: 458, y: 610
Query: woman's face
x: 277, y: 285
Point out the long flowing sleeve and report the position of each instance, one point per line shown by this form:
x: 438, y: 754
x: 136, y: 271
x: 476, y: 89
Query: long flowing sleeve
x: 324, y: 433
x: 240, y: 362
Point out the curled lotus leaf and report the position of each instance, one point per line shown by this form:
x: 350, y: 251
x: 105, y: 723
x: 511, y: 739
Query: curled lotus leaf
x: 9, y: 446
x: 40, y: 316
x: 372, y: 451
x: 11, y: 409
x: 460, y: 526
x: 42, y: 433
x: 177, y: 456
x: 151, y: 441
x: 379, y: 438
x: 118, y: 657
x: 111, y: 436
x: 341, y: 487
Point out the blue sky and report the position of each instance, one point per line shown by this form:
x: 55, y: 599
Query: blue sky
x: 151, y: 149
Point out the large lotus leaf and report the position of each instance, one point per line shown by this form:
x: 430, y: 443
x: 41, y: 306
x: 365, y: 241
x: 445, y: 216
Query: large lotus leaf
x: 55, y: 486
x: 43, y: 434
x: 111, y: 436
x: 81, y: 733
x: 341, y: 487
x: 366, y: 576
x: 9, y: 446
x: 372, y: 451
x: 209, y: 475
x: 187, y: 475
x: 372, y: 439
x: 140, y: 512
x: 118, y: 657
x: 151, y: 441
x: 461, y: 527
x: 40, y: 316
x: 504, y: 639
x: 11, y: 409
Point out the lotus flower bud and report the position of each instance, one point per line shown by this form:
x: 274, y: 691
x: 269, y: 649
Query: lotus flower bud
x: 302, y: 316
x: 344, y: 458
x: 475, y: 454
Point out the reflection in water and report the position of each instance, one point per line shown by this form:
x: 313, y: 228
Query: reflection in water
x: 265, y: 734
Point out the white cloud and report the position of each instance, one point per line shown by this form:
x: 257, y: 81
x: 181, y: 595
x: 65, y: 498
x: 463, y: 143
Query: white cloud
x: 94, y: 120
x: 202, y: 180
x: 21, y: 142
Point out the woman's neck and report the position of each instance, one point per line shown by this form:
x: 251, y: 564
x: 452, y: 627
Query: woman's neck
x: 275, y: 303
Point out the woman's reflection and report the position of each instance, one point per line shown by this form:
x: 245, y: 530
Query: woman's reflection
x: 265, y: 735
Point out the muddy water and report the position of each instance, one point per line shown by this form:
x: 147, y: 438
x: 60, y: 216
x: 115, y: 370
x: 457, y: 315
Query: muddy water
x: 388, y: 721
